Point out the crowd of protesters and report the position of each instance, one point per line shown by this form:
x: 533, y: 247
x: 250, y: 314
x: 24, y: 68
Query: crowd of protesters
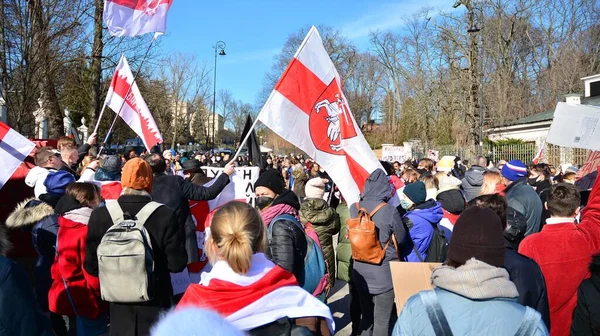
x: 519, y: 245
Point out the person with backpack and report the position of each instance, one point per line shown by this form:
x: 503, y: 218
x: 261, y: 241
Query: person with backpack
x: 74, y: 292
x: 422, y: 218
x: 372, y: 276
x: 132, y: 245
x: 326, y: 222
x: 250, y: 291
x: 473, y: 293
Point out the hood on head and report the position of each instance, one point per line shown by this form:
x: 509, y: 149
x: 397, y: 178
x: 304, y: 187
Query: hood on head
x: 377, y: 187
x: 452, y: 201
x: 28, y: 213
x: 430, y: 211
x: 475, y: 175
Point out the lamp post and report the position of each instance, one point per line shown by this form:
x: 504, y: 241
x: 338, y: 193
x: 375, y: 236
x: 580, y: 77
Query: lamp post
x: 219, y: 45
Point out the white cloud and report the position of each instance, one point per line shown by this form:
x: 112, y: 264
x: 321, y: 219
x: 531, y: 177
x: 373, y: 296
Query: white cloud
x: 386, y: 16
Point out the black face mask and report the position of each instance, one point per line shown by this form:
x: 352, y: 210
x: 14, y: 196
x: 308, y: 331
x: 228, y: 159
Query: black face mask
x: 532, y: 181
x: 263, y: 202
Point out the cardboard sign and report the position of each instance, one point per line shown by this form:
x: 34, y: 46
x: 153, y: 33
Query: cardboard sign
x: 409, y: 278
x: 393, y: 153
x: 248, y: 174
x: 591, y: 164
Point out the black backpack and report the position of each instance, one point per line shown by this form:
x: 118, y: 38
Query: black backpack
x: 438, y: 248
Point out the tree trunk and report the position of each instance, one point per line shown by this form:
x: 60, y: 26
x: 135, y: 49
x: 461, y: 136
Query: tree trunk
x: 96, y: 65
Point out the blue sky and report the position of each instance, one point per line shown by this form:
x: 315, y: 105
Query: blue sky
x: 256, y: 30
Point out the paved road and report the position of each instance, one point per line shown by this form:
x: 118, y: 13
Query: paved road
x: 339, y: 303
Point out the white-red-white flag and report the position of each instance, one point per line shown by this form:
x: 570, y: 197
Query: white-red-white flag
x: 135, y: 112
x: 136, y: 17
x: 539, y: 155
x: 14, y: 148
x: 309, y: 109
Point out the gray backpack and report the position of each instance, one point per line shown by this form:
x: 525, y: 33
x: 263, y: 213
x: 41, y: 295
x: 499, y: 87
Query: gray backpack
x: 125, y: 259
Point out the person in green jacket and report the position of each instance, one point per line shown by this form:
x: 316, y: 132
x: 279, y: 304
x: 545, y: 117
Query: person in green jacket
x: 324, y: 220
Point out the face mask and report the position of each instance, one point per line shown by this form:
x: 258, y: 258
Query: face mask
x: 263, y: 202
x: 405, y: 204
x: 532, y: 181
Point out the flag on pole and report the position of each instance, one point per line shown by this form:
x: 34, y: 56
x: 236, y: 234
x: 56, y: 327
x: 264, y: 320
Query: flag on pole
x: 134, y: 111
x: 308, y: 109
x: 14, y: 148
x: 136, y: 17
x: 252, y: 144
x: 539, y: 155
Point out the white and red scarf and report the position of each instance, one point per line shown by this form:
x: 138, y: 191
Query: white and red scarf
x: 263, y: 295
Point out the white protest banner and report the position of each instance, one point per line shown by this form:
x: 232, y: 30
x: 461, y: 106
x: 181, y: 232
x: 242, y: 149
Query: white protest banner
x: 392, y: 153
x: 249, y: 175
x: 576, y: 126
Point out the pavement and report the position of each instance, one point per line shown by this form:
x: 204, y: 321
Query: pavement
x: 339, y: 304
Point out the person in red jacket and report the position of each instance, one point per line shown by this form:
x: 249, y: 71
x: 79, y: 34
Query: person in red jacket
x: 564, y: 249
x: 75, y: 208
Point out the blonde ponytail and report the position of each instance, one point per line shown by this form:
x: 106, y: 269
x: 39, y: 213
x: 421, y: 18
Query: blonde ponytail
x: 238, y: 232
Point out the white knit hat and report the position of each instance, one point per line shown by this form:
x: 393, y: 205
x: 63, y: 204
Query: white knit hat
x: 448, y: 183
x: 315, y: 188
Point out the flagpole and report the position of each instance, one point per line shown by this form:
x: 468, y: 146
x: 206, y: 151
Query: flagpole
x: 245, y: 139
x: 99, y: 118
x: 112, y: 125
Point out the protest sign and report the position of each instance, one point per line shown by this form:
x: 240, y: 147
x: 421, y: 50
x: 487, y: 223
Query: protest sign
x: 576, y: 126
x: 433, y: 155
x: 409, y: 278
x: 591, y: 164
x: 392, y: 153
x: 249, y: 175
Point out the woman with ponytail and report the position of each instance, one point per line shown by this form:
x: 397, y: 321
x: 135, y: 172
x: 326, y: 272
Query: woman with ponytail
x: 249, y: 290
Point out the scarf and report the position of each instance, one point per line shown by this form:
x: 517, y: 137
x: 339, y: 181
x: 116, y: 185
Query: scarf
x: 475, y: 280
x: 271, y: 212
x: 80, y: 215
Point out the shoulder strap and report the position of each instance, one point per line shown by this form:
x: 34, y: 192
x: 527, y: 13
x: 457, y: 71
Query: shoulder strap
x: 419, y: 256
x: 528, y: 325
x: 115, y: 212
x: 435, y: 313
x: 147, y: 211
x: 289, y: 218
x: 377, y: 208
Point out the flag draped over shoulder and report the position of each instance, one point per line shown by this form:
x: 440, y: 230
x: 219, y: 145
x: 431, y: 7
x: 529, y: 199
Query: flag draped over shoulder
x: 136, y: 17
x: 14, y: 148
x: 308, y: 109
x: 134, y: 111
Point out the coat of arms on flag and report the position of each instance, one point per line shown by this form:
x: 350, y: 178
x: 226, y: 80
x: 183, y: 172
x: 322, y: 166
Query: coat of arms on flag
x: 136, y: 17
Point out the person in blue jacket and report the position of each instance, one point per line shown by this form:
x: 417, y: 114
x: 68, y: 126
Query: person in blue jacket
x: 473, y: 294
x: 421, y: 217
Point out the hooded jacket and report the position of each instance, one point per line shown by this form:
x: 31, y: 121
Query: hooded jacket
x: 521, y: 197
x: 20, y: 314
x: 421, y: 222
x: 453, y: 204
x: 300, y: 178
x: 472, y: 182
x: 35, y: 179
x: 39, y: 218
x: 326, y: 223
x: 377, y: 279
x: 344, y: 250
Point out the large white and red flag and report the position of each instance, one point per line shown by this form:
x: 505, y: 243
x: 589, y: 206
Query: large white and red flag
x: 14, y: 148
x: 134, y: 111
x: 309, y: 109
x: 136, y: 17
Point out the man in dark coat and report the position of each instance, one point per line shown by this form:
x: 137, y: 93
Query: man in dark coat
x: 176, y: 192
x: 168, y: 249
x: 586, y: 317
x: 521, y: 196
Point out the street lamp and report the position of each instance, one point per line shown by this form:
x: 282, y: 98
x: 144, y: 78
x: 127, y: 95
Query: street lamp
x: 219, y: 51
x: 474, y: 30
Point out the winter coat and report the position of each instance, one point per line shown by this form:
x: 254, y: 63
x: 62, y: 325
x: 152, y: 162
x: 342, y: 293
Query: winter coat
x: 344, y: 250
x: 288, y: 246
x: 527, y: 276
x: 421, y: 222
x: 563, y: 251
x: 175, y: 192
x: 586, y: 318
x: 471, y: 184
x: 477, y: 301
x: 35, y: 179
x: 168, y: 248
x: 377, y: 279
x: 39, y: 217
x: 68, y: 265
x: 300, y: 179
x: 326, y: 223
x: 453, y: 203
x: 542, y: 188
x: 521, y: 197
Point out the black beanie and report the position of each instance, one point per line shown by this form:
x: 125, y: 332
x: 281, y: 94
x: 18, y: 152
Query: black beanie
x: 478, y: 233
x: 272, y: 180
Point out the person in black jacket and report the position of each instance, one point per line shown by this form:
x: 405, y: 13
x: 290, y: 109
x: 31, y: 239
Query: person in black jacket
x: 168, y: 249
x: 287, y: 247
x: 586, y: 318
x: 539, y: 179
x: 176, y: 192
x: 524, y: 272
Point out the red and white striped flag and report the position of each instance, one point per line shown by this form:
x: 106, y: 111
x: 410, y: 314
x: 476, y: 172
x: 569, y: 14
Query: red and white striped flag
x: 14, y: 148
x: 539, y: 155
x: 135, y: 112
x: 136, y: 17
x: 308, y: 109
